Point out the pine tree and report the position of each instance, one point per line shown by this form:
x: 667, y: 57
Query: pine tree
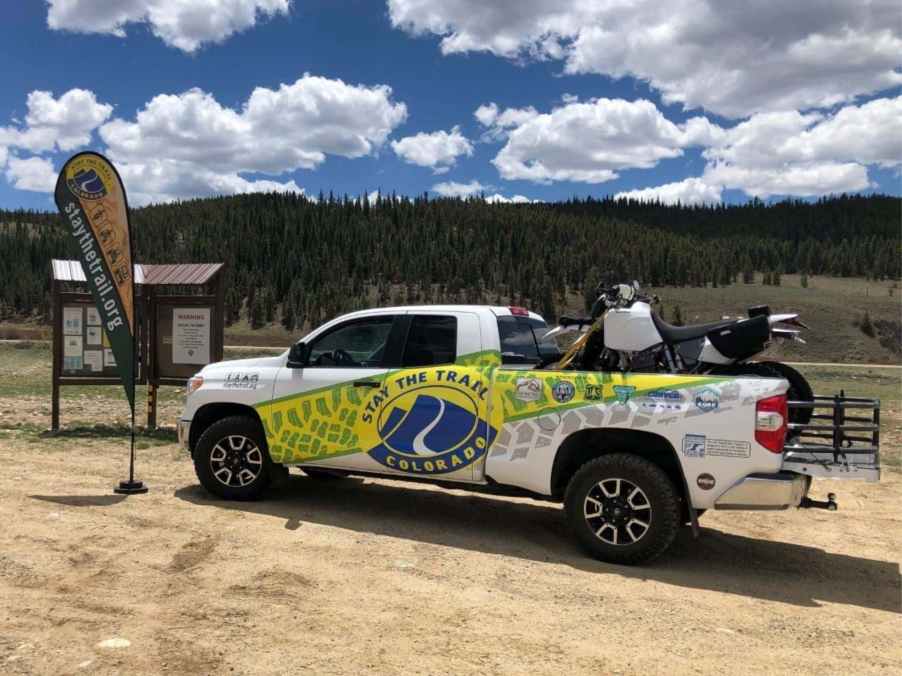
x: 288, y: 317
x: 255, y: 312
x: 867, y: 328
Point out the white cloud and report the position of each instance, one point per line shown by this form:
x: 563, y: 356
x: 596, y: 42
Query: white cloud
x: 497, y: 198
x: 168, y: 180
x: 438, y: 150
x: 790, y: 153
x: 65, y: 123
x: 589, y: 142
x: 688, y: 191
x: 776, y: 153
x: 799, y: 180
x: 32, y: 173
x: 185, y: 24
x: 474, y: 188
x: 454, y: 189
x: 189, y: 144
x: 731, y: 58
x: 499, y: 122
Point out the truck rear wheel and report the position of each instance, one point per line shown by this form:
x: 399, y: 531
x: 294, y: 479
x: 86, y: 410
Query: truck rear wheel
x: 231, y: 459
x: 622, y: 508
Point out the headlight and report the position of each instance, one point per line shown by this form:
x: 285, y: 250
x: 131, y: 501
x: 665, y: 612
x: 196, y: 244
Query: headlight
x: 194, y: 383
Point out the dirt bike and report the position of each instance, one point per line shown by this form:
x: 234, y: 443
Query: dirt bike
x: 624, y: 333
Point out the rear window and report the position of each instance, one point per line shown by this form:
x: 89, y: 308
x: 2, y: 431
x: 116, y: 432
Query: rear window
x: 522, y: 341
x: 432, y: 340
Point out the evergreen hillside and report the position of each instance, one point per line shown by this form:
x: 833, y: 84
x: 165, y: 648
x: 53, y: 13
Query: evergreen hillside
x: 299, y: 261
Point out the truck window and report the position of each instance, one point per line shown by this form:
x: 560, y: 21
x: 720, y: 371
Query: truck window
x: 431, y: 340
x: 522, y: 342
x: 359, y: 343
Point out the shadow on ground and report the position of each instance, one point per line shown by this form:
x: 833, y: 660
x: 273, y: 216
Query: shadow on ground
x: 732, y: 564
x: 160, y: 434
x: 81, y: 500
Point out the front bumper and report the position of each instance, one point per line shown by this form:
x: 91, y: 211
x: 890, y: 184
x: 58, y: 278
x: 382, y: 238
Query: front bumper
x: 184, y: 432
x: 766, y: 491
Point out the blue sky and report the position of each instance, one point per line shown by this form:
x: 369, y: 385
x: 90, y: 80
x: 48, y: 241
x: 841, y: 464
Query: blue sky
x: 586, y: 115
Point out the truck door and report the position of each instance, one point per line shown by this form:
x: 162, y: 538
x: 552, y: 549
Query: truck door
x: 435, y: 419
x: 325, y: 412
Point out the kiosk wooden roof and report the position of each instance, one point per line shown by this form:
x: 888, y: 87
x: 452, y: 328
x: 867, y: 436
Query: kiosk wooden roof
x: 181, y: 274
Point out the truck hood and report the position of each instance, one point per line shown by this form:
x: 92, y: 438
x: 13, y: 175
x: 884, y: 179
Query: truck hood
x: 222, y: 367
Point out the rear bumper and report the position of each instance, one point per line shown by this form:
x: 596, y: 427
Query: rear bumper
x: 766, y: 491
x: 184, y: 432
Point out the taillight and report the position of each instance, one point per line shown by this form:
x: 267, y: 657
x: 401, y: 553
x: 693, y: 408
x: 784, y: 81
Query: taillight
x: 771, y: 415
x: 519, y: 311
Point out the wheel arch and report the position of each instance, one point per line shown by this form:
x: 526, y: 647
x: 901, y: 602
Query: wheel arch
x: 208, y: 414
x: 588, y: 444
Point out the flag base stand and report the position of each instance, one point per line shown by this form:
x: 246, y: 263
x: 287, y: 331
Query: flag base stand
x: 130, y: 487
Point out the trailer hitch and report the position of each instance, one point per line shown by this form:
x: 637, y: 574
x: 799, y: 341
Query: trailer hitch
x: 829, y: 503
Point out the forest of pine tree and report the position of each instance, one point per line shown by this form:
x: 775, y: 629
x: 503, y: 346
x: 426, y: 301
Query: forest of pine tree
x: 300, y: 261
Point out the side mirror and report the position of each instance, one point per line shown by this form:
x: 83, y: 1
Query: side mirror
x: 297, y: 356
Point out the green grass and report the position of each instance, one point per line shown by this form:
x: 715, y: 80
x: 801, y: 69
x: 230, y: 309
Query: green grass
x: 25, y: 370
x: 883, y: 384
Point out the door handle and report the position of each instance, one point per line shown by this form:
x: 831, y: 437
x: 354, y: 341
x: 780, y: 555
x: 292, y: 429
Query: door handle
x: 365, y: 383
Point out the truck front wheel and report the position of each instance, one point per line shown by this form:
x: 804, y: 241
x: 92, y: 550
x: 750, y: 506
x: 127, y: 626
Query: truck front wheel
x: 622, y: 508
x: 231, y: 459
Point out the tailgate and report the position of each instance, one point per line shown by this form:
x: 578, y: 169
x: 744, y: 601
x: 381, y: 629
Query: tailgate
x: 841, y: 441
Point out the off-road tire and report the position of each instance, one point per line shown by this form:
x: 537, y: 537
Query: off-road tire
x: 799, y: 389
x: 659, y: 491
x: 219, y: 441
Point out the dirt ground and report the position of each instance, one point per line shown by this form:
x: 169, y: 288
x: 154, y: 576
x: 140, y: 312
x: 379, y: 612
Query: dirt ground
x: 369, y: 576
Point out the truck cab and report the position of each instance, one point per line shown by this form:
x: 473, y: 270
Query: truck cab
x: 463, y: 395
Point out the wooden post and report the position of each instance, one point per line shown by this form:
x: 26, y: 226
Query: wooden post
x: 219, y: 325
x: 151, y: 405
x: 57, y: 347
x: 148, y: 332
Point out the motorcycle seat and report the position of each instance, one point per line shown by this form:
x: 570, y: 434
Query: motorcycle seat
x: 677, y: 334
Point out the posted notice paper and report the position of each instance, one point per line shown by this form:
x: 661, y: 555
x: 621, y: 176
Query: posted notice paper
x: 72, y: 315
x: 191, y: 335
x: 94, y: 360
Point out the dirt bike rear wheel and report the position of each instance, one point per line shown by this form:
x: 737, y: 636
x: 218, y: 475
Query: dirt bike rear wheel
x: 799, y: 389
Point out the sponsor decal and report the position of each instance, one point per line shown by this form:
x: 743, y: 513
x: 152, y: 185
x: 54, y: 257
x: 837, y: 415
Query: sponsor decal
x: 563, y: 391
x: 698, y: 446
x: 241, y: 381
x: 705, y: 481
x: 528, y: 389
x: 668, y: 400
x: 694, y: 445
x: 623, y: 393
x: 707, y: 399
x: 429, y: 422
x: 727, y: 448
x: 594, y: 392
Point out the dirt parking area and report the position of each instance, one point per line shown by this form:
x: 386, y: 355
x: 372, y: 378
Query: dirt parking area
x: 370, y: 576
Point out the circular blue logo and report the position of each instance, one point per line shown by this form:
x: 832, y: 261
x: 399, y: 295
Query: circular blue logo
x: 432, y: 429
x: 563, y: 391
x: 707, y: 400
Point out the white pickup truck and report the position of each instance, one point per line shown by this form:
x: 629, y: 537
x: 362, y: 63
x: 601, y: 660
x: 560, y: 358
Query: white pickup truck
x: 457, y: 395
